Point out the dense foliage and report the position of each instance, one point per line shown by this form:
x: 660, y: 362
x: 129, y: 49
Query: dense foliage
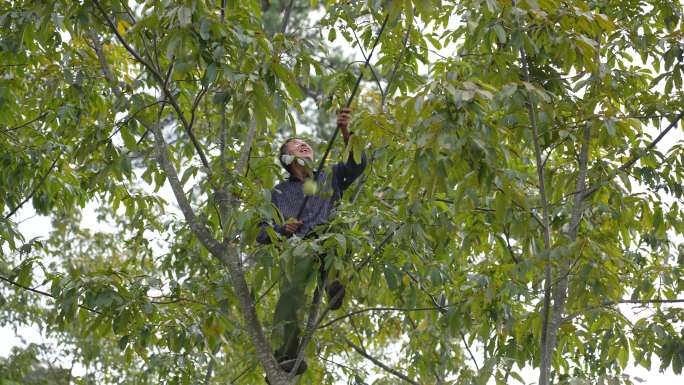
x: 516, y: 193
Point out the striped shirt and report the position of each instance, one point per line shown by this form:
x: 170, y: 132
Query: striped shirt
x: 288, y: 196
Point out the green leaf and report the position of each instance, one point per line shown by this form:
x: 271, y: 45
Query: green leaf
x: 500, y: 33
x: 123, y: 342
x: 210, y: 74
x: 184, y: 16
x: 391, y: 277
x: 128, y: 139
x: 518, y: 377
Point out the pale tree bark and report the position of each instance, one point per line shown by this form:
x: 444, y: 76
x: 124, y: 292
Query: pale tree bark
x: 545, y: 355
x: 229, y: 256
x: 225, y: 252
x: 560, y: 290
x: 582, y: 191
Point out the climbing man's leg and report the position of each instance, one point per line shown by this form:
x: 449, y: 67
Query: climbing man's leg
x: 333, y: 287
x: 286, y: 319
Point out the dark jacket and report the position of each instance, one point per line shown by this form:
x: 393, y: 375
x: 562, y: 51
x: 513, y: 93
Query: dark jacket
x: 288, y: 196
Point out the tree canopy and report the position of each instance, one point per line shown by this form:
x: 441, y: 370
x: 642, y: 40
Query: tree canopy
x: 518, y: 189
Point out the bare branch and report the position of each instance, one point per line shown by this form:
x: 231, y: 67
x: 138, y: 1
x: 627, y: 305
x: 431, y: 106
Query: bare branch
x: 35, y: 188
x: 366, y: 60
x: 628, y: 164
x: 26, y: 124
x: 381, y: 309
x: 379, y: 363
x: 228, y: 256
x: 286, y: 17
x: 540, y: 165
x: 43, y: 293
x: 388, y: 89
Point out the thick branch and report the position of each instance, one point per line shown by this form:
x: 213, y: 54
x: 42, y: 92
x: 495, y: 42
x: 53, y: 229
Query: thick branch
x: 379, y: 363
x: 560, y: 290
x: 228, y: 256
x: 545, y: 354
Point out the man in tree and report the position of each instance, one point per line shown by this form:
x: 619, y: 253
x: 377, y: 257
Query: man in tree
x: 296, y: 156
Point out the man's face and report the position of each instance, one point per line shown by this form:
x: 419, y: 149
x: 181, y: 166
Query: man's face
x: 300, y: 149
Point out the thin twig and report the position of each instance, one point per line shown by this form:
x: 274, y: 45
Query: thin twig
x: 43, y: 293
x: 163, y: 101
x: 35, y: 188
x: 160, y: 80
x: 388, y: 90
x: 443, y: 310
x: 39, y: 117
x: 379, y: 363
x: 628, y: 164
x: 381, y: 309
x: 624, y: 301
x: 367, y: 59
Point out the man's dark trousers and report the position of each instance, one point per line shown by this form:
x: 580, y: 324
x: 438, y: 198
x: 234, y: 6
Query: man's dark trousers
x: 286, y: 320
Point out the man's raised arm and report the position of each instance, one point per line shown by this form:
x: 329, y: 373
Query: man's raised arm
x: 346, y: 173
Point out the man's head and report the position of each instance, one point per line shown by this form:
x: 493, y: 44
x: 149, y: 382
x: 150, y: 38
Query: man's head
x: 297, y: 148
